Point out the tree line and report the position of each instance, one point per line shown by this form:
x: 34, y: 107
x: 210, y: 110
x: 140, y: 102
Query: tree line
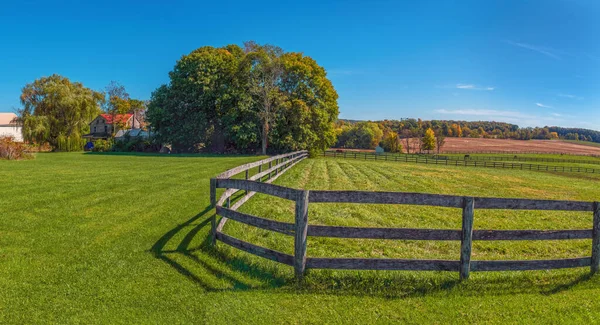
x: 411, y: 135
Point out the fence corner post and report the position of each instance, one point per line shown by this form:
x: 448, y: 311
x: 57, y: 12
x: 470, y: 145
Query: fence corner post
x: 300, y: 229
x: 213, y: 192
x: 466, y: 238
x: 595, y: 263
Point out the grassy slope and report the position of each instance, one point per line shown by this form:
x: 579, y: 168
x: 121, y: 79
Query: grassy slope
x: 121, y: 239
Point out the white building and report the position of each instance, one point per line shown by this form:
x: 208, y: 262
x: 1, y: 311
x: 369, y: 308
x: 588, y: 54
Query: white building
x: 9, y: 127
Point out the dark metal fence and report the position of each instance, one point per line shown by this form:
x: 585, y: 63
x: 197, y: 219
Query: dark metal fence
x: 426, y: 159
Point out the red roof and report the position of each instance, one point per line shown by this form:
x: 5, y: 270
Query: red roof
x: 123, y: 118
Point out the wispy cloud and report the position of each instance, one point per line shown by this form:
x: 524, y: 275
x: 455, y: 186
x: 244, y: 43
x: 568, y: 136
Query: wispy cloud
x: 484, y: 112
x: 570, y: 96
x: 473, y: 87
x: 542, y: 105
x: 539, y: 49
x: 510, y: 116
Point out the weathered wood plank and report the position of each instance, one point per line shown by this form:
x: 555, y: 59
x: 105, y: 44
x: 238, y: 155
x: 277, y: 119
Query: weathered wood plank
x: 250, y: 194
x: 443, y: 234
x: 274, y: 168
x: 241, y: 168
x: 256, y: 250
x: 530, y: 265
x: 266, y: 188
x: 527, y: 204
x: 278, y: 226
x: 385, y: 198
x: 595, y: 260
x: 381, y: 264
x: 300, y: 238
x: 531, y: 234
x: 213, y: 192
x: 213, y: 230
x: 383, y: 233
x: 466, y: 238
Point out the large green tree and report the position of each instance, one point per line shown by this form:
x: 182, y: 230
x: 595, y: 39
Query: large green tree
x: 243, y: 99
x: 57, y: 111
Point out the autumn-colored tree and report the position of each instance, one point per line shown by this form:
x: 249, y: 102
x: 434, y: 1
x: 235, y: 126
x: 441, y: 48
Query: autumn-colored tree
x: 391, y: 142
x: 428, y: 140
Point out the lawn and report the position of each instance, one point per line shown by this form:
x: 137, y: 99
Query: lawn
x: 89, y: 238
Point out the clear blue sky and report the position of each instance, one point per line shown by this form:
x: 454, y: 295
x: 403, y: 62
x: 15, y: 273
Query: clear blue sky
x: 532, y: 63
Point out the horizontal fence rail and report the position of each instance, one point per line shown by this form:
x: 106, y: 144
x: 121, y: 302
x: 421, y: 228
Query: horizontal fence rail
x: 431, y: 160
x: 518, y: 152
x: 301, y: 230
x: 515, y: 158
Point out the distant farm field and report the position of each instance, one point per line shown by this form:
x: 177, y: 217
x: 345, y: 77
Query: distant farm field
x: 89, y: 238
x: 524, y: 146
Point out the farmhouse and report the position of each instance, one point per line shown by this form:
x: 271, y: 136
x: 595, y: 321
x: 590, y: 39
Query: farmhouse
x: 9, y: 127
x: 102, y: 126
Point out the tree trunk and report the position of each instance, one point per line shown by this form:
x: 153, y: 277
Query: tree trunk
x: 265, y: 137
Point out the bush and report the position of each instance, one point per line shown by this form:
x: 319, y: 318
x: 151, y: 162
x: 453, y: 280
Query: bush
x: 102, y: 146
x: 11, y: 150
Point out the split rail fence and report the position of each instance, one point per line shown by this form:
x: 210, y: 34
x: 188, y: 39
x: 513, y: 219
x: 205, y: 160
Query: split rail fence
x: 456, y: 162
x: 301, y: 229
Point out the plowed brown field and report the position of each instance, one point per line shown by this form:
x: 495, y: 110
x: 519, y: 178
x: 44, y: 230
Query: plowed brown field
x: 511, y: 146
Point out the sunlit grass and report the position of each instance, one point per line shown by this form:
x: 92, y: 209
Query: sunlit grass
x: 125, y: 239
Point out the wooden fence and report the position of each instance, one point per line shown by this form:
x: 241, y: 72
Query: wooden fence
x: 301, y: 229
x: 423, y: 159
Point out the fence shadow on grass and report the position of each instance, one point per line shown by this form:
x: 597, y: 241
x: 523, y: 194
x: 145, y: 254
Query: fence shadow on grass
x: 216, y: 269
x: 208, y: 261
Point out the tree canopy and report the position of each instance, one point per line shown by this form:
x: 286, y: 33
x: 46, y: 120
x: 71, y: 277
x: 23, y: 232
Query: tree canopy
x: 57, y: 111
x: 243, y: 99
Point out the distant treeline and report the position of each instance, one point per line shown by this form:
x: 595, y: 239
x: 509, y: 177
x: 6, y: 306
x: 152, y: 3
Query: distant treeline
x: 368, y: 134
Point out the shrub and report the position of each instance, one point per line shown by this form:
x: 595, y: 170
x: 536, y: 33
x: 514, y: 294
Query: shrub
x: 102, y: 146
x: 11, y: 150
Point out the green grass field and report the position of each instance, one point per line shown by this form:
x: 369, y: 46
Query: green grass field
x: 89, y: 238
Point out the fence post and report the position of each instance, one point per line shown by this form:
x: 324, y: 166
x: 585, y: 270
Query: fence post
x: 213, y: 192
x: 596, y: 239
x: 213, y: 230
x: 247, y: 178
x: 466, y: 238
x: 301, y: 228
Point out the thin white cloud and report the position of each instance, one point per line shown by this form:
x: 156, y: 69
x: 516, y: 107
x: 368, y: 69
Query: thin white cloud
x: 483, y: 112
x: 539, y: 49
x: 570, y: 96
x: 473, y: 87
x: 542, y: 105
x: 556, y: 114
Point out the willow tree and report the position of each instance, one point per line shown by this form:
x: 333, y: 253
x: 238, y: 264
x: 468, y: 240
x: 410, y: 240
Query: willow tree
x: 58, y: 111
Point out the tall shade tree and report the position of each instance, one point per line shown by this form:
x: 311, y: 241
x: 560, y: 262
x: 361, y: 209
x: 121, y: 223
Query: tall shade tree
x: 265, y: 73
x: 309, y: 109
x: 203, y: 101
x: 243, y: 99
x: 57, y: 111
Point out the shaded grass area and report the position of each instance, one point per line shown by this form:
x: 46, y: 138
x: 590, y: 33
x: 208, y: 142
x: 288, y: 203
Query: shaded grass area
x: 125, y: 239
